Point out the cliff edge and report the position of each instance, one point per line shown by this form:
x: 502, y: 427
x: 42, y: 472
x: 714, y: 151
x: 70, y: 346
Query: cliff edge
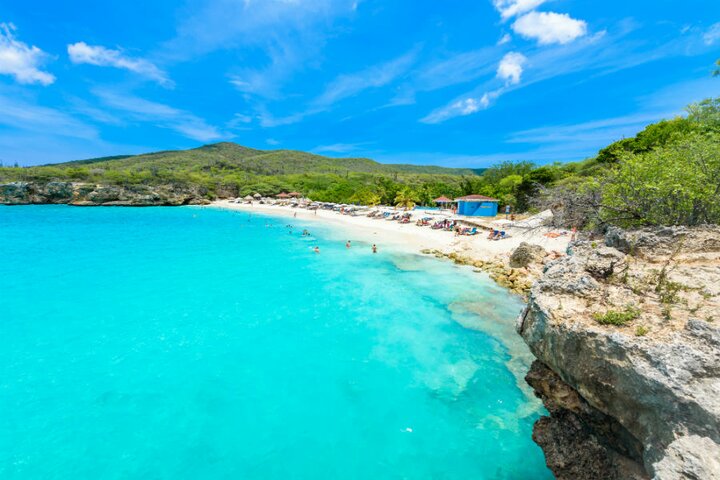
x: 626, y: 333
x: 89, y: 194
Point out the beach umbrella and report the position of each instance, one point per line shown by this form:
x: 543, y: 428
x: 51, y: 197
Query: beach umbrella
x: 257, y: 195
x: 282, y: 195
x: 248, y: 197
x: 442, y: 199
x: 295, y: 194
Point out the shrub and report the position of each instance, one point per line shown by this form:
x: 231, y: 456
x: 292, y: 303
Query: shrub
x: 617, y: 318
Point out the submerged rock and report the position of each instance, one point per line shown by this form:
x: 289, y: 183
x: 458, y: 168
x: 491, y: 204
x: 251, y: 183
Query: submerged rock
x: 640, y: 398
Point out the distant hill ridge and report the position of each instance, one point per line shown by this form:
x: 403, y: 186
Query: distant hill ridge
x: 231, y: 156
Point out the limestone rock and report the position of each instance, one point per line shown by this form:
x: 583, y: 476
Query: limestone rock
x: 525, y: 254
x: 618, y: 402
x: 86, y: 194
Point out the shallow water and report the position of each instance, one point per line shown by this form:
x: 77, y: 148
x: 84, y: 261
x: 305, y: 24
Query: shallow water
x: 186, y: 343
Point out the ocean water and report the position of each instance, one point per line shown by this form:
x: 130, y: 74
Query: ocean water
x: 196, y: 343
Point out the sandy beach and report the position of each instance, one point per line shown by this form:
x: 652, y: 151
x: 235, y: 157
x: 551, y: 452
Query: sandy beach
x: 410, y: 237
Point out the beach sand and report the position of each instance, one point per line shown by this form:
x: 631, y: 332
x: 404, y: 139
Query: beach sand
x: 410, y: 237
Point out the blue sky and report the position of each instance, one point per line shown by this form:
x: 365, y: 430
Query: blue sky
x: 456, y: 83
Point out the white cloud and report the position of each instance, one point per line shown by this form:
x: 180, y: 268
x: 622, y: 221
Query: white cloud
x: 272, y: 142
x: 349, y: 85
x: 339, y: 147
x: 289, y: 34
x: 81, y: 52
x: 26, y: 116
x: 511, y: 8
x: 549, y: 27
x: 163, y: 116
x: 507, y: 38
x: 20, y: 60
x: 511, y: 67
x: 462, y: 107
x: 712, y: 35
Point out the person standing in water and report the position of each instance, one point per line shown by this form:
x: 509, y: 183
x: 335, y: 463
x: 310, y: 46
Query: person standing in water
x: 374, y: 248
x: 316, y: 249
x: 347, y: 245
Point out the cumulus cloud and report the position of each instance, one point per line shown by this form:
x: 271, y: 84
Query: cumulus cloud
x: 549, y: 27
x: 20, y: 60
x: 712, y: 35
x: 511, y: 8
x: 81, y: 52
x: 511, y: 67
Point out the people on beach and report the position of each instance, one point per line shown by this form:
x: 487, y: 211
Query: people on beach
x: 374, y: 248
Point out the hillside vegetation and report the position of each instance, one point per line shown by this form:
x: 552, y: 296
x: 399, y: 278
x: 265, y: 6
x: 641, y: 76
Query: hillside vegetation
x: 668, y: 174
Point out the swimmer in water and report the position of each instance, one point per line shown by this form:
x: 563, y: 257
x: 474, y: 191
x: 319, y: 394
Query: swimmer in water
x: 316, y: 249
x: 347, y: 245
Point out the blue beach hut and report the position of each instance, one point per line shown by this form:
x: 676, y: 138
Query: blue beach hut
x: 477, y: 206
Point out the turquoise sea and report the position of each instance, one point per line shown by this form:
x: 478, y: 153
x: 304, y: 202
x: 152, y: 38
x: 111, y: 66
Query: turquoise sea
x: 197, y: 343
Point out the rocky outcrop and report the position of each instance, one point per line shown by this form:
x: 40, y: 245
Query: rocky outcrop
x: 86, y: 194
x: 526, y: 254
x: 626, y: 333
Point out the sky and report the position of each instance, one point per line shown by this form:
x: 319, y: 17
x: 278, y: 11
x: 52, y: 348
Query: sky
x: 458, y: 83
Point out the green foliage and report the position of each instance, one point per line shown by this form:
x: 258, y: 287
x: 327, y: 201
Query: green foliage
x: 668, y: 174
x: 641, y: 331
x: 406, y: 198
x: 617, y: 318
x: 678, y: 184
x: 653, y: 136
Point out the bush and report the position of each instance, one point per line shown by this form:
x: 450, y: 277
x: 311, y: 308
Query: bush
x: 617, y: 318
x: 673, y: 185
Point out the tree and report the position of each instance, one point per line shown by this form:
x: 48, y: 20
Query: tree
x: 716, y: 72
x: 365, y: 197
x: 678, y: 184
x: 406, y: 198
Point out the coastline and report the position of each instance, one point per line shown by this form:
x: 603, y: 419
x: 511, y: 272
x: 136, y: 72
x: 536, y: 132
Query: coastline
x: 409, y: 237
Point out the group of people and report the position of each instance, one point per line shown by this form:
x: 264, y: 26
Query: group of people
x: 348, y: 244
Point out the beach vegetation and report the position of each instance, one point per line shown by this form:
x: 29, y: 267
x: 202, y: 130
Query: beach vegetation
x: 667, y: 174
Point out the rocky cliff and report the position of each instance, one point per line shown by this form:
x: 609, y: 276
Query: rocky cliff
x: 627, y: 340
x: 85, y: 194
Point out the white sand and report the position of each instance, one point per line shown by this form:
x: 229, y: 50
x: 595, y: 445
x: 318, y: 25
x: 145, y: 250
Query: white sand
x: 410, y: 237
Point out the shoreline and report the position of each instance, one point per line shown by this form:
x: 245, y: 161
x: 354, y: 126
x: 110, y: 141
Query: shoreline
x: 477, y: 251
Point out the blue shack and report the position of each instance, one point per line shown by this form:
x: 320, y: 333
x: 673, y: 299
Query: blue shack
x: 477, y: 206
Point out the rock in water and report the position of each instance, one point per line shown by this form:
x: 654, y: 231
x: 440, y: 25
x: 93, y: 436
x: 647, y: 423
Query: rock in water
x: 640, y: 397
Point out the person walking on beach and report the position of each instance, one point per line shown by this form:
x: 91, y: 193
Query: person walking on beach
x: 374, y: 248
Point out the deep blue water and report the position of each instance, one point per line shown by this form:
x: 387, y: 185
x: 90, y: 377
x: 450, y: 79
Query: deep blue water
x: 189, y: 343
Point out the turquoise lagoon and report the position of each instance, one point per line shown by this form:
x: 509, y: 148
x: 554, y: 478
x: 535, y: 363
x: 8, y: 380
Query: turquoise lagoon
x: 197, y: 343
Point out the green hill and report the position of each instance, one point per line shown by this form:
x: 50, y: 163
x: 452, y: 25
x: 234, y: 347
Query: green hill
x: 231, y: 156
x: 228, y: 169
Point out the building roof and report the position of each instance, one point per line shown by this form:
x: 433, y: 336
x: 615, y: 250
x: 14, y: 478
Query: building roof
x: 443, y: 200
x: 476, y: 198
